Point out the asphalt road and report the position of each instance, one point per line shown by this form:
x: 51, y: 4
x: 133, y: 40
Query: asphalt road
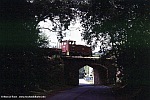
x: 87, y: 92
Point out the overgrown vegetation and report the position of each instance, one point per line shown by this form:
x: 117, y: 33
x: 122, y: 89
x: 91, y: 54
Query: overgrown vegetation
x: 122, y: 25
x: 24, y: 67
x: 26, y: 71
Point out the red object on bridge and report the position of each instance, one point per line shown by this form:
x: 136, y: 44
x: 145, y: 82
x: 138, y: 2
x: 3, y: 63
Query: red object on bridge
x: 70, y: 48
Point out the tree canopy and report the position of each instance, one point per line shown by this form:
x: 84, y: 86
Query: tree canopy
x: 17, y: 24
x: 126, y: 23
x: 123, y: 25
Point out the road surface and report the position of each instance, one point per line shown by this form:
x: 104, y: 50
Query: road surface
x: 87, y: 92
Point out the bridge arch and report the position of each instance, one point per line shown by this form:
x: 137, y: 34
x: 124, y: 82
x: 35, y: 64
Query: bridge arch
x: 86, y: 75
x: 72, y: 66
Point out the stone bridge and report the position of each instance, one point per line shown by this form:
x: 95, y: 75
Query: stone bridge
x: 103, y: 70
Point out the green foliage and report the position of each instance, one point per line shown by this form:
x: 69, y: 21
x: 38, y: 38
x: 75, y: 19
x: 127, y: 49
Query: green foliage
x: 18, y: 25
x: 59, y: 12
x: 127, y: 24
x: 23, y: 66
x: 29, y: 70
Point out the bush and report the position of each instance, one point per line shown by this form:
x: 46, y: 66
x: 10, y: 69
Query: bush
x: 23, y: 71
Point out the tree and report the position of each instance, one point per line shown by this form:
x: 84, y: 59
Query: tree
x: 18, y: 28
x: 121, y: 24
x: 126, y: 24
x: 21, y: 59
x: 59, y: 12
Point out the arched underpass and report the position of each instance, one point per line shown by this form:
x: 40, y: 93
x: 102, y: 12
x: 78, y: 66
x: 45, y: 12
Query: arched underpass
x: 72, y: 66
x: 86, y: 75
x: 96, y: 92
